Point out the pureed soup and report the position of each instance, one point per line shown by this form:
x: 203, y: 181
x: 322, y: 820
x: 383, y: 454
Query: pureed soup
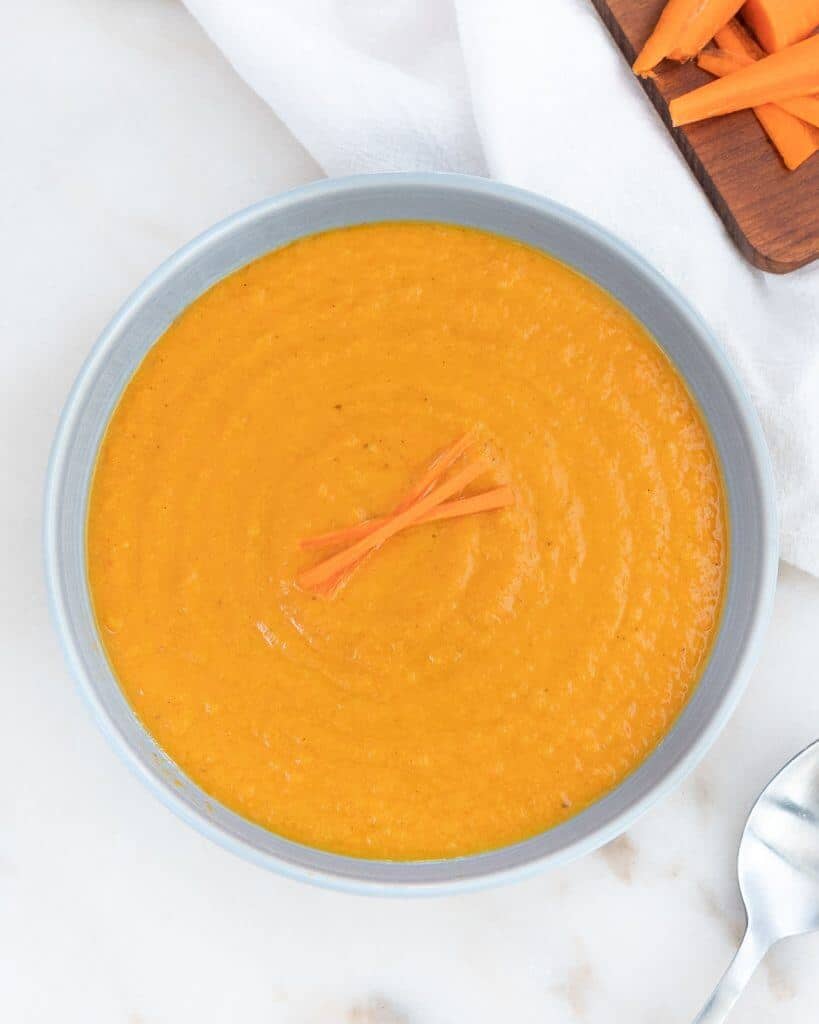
x: 474, y: 680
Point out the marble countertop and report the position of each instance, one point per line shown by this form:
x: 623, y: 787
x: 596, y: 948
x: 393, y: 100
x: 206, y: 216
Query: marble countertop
x: 126, y: 135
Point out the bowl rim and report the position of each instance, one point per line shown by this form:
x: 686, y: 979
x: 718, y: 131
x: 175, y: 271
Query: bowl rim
x: 456, y: 881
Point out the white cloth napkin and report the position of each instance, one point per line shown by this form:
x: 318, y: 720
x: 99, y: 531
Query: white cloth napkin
x: 535, y: 93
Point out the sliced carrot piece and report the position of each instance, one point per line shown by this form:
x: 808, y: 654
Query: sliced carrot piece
x: 436, y: 469
x: 666, y: 35
x: 806, y: 108
x: 702, y: 28
x: 721, y: 63
x: 781, y: 23
x: 346, y: 535
x: 487, y: 501
x: 497, y: 497
x: 794, y: 140
x: 735, y: 38
x: 781, y: 76
x: 331, y: 566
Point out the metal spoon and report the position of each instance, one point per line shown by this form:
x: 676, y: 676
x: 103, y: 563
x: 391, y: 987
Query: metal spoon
x: 778, y: 874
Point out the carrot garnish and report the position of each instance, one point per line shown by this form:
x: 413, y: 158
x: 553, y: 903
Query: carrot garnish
x: 436, y: 469
x: 331, y: 567
x: 487, y: 501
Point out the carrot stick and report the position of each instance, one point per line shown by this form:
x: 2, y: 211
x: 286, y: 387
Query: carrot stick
x: 331, y: 566
x: 667, y: 34
x: 721, y: 63
x: 806, y: 108
x: 794, y: 140
x: 346, y: 535
x: 442, y: 461
x: 497, y: 497
x: 437, y: 467
x: 702, y: 28
x: 735, y: 38
x: 488, y: 501
x: 781, y: 23
x: 781, y: 76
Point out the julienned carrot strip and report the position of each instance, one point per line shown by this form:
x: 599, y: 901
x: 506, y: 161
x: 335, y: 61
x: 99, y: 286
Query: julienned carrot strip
x: 667, y: 34
x: 497, y: 497
x: 806, y: 108
x: 781, y: 23
x: 436, y: 469
x: 702, y: 28
x: 488, y: 501
x: 348, y: 534
x: 781, y: 76
x: 794, y: 140
x: 331, y: 583
x: 331, y: 566
x: 439, y: 465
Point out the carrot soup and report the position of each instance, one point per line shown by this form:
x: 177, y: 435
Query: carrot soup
x: 442, y: 680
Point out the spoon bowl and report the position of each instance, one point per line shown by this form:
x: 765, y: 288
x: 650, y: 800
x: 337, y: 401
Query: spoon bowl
x: 779, y: 852
x: 778, y: 868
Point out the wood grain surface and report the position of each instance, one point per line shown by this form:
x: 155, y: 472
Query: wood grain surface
x: 771, y: 213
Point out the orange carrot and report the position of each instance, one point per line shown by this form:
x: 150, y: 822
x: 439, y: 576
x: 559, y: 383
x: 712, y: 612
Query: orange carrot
x: 735, y: 38
x: 667, y: 34
x: 487, y: 501
x: 806, y: 108
x: 781, y: 23
x: 442, y: 461
x: 325, y: 570
x: 794, y: 140
x: 781, y: 76
x: 721, y: 63
x: 702, y: 28
x: 346, y: 535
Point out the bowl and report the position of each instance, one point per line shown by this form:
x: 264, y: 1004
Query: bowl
x: 507, y: 211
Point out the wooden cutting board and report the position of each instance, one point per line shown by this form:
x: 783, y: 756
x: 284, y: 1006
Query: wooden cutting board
x: 771, y: 213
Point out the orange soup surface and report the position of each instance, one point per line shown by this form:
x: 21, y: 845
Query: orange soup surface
x: 476, y: 680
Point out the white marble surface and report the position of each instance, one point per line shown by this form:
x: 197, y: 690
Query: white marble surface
x: 124, y: 133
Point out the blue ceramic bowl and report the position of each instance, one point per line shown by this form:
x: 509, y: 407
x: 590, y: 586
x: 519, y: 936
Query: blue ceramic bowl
x: 507, y: 211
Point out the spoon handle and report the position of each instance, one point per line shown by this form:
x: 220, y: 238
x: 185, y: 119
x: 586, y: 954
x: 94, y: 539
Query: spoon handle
x: 728, y: 990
